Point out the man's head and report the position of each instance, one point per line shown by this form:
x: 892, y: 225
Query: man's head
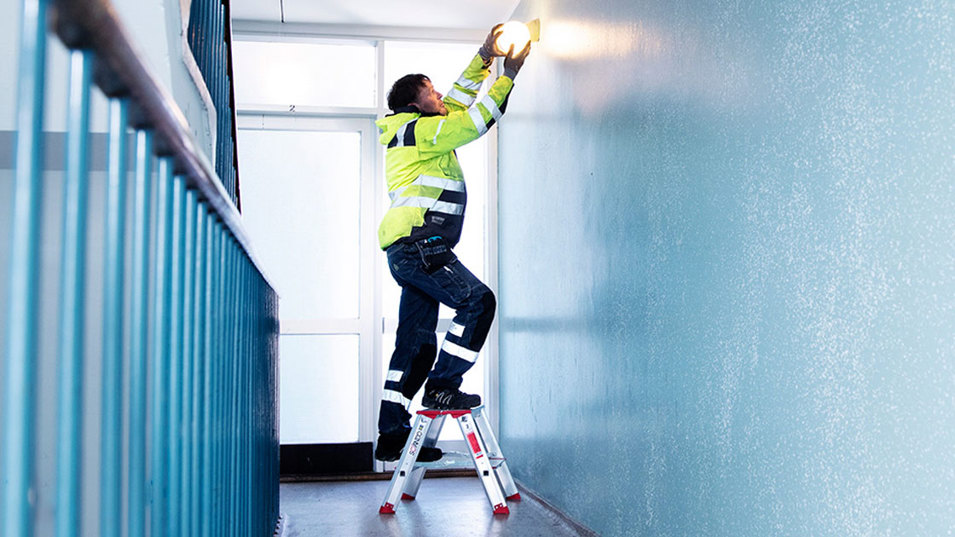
x: 416, y: 90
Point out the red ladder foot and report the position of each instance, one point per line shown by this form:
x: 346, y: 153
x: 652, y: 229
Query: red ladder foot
x: 501, y: 509
x: 386, y: 509
x: 516, y: 497
x: 406, y: 496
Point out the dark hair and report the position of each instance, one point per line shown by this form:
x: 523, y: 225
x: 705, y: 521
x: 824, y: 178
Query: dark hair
x: 405, y: 90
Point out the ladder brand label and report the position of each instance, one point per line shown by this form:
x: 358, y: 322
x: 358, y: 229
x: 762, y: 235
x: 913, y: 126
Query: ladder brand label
x: 419, y: 432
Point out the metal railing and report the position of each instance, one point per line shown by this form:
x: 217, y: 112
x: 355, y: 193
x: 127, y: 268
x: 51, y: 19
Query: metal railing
x: 186, y: 348
x: 210, y: 38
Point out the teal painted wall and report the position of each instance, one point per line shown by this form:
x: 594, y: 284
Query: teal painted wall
x: 727, y: 262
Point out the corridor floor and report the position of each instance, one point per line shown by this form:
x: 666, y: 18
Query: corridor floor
x: 448, y: 506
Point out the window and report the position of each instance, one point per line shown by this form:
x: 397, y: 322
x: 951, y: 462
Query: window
x: 305, y: 74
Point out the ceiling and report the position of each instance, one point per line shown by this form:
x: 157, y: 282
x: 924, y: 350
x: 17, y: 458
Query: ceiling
x: 401, y: 13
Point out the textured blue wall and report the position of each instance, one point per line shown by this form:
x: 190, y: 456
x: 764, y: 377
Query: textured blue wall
x: 727, y: 249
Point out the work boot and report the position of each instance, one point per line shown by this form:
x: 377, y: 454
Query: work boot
x: 390, y: 446
x: 449, y: 399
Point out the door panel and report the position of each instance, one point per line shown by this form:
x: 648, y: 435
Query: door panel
x: 302, y: 189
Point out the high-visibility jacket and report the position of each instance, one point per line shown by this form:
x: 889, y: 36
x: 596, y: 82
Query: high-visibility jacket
x: 425, y: 181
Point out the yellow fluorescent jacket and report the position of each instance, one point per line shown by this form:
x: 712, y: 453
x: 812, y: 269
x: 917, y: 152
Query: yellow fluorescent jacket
x: 425, y: 181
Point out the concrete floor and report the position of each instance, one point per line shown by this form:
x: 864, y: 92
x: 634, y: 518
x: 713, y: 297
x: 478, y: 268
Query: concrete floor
x: 445, y: 506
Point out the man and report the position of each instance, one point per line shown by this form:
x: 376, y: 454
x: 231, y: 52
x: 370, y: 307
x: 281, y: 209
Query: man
x: 426, y: 186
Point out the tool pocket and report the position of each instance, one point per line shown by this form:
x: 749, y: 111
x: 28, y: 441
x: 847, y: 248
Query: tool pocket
x: 435, y: 253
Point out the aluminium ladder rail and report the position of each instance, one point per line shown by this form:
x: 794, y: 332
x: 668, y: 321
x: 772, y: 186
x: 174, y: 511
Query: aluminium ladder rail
x: 485, y: 452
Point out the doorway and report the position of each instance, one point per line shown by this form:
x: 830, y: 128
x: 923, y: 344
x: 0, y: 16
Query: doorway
x: 313, y: 192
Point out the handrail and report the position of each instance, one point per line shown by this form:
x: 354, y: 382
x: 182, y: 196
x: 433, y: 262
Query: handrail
x: 120, y: 71
x: 186, y: 353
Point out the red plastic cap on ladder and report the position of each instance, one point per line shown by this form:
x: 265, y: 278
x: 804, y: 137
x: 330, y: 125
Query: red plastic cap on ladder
x: 501, y: 509
x: 386, y: 509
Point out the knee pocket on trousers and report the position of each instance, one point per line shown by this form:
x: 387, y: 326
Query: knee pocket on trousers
x: 456, y: 287
x: 488, y: 302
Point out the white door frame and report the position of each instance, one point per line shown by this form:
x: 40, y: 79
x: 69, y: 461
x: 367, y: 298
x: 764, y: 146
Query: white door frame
x: 369, y: 339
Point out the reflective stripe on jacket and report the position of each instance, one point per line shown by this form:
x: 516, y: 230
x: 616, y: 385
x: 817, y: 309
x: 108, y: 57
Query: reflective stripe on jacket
x: 425, y: 181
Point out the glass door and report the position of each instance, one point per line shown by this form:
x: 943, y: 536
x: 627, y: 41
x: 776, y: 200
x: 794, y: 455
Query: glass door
x: 307, y: 202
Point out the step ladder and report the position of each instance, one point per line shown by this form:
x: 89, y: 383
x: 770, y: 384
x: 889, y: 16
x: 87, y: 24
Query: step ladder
x: 485, y: 452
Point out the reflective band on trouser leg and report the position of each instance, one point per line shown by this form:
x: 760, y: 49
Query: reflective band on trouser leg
x: 394, y: 375
x: 459, y: 352
x: 395, y: 397
x: 491, y: 106
x: 456, y: 329
x: 478, y: 120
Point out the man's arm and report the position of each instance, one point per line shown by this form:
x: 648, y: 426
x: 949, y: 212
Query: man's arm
x: 442, y: 134
x: 466, y: 88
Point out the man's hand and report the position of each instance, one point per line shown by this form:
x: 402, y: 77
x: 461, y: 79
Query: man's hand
x: 514, y: 61
x: 490, y: 49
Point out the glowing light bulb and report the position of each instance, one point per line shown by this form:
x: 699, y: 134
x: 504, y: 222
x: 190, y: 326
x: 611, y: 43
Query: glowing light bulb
x: 513, y: 33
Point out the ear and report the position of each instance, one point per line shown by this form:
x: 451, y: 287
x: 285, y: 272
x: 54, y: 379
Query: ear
x: 418, y: 96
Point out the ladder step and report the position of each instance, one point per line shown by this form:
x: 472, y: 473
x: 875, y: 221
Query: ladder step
x: 456, y: 460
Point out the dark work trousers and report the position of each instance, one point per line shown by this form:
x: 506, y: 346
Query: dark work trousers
x: 416, y: 345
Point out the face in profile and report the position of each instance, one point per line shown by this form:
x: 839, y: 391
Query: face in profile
x: 429, y: 101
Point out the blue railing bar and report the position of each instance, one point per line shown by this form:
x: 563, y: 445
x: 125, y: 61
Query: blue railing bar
x: 250, y: 427
x: 176, y: 339
x: 140, y: 333
x: 160, y: 416
x: 222, y: 359
x: 221, y: 386
x: 219, y: 273
x: 228, y: 324
x: 17, y: 441
x: 72, y: 287
x: 114, y: 266
x: 234, y: 320
x: 121, y: 70
x: 208, y: 373
x: 186, y: 439
x: 249, y: 430
x: 198, y: 375
x: 241, y: 431
x: 215, y: 358
x: 212, y: 380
